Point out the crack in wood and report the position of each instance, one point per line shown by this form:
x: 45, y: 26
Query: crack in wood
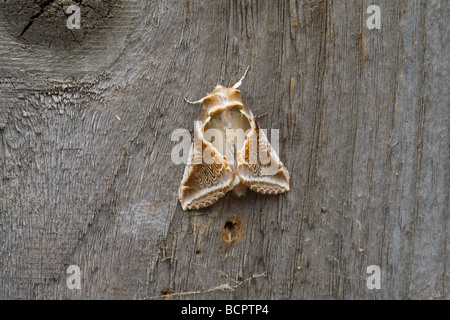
x: 37, y: 15
x: 224, y: 286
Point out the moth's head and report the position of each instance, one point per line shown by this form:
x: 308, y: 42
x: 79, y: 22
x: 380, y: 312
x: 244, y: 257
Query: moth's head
x: 220, y: 94
x: 223, y: 93
x: 221, y: 90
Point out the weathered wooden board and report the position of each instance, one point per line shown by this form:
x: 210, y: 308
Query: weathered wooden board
x: 86, y: 118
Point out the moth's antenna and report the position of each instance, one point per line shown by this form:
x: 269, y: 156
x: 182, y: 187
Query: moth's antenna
x: 237, y: 84
x: 194, y: 102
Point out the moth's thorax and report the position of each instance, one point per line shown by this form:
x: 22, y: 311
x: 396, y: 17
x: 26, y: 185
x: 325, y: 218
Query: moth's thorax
x: 222, y: 96
x: 234, y: 153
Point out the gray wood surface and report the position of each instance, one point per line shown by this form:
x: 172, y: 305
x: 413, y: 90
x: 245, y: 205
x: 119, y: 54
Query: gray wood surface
x: 86, y: 118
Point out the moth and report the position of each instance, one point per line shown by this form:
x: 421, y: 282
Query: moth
x: 226, y: 127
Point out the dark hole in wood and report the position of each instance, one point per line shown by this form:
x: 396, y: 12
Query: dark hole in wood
x: 166, y: 294
x: 229, y: 225
x: 232, y: 230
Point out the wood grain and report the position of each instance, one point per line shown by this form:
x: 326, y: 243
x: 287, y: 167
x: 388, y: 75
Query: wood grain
x: 87, y: 177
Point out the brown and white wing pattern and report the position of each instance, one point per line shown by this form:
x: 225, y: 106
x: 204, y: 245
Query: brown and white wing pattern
x: 204, y: 183
x: 212, y: 169
x: 259, y: 167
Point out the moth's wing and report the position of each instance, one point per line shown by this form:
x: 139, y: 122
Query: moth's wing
x: 259, y: 167
x: 203, y: 183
